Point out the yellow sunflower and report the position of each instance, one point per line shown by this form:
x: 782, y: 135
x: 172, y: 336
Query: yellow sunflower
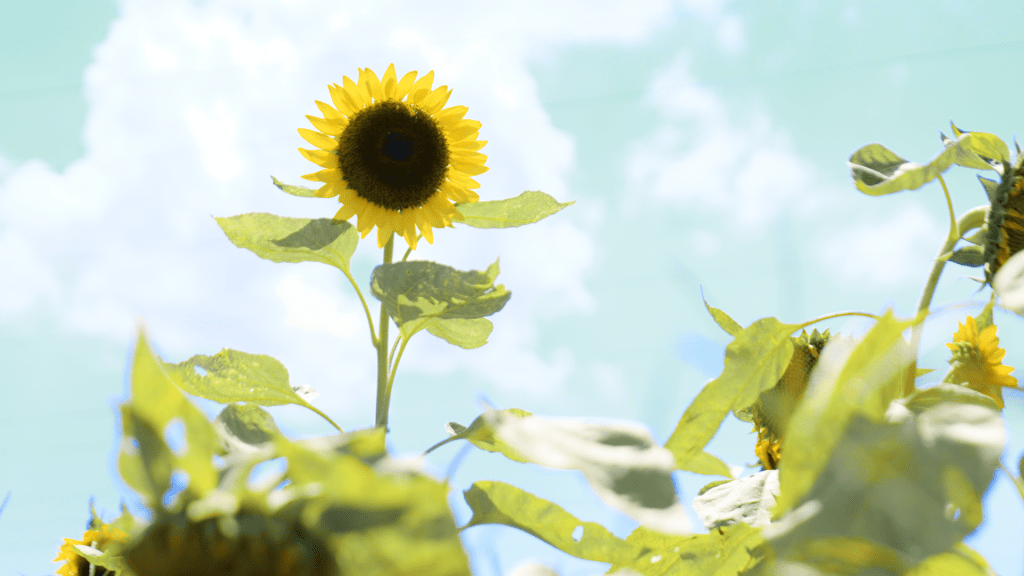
x: 76, y: 565
x: 1005, y: 220
x: 978, y: 361
x: 394, y: 155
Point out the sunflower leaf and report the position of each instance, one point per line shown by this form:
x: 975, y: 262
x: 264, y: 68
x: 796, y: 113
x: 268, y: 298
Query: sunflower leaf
x: 707, y: 464
x: 500, y: 503
x: 294, y: 190
x: 233, y: 376
x: 419, y: 295
x: 960, y: 560
x: 724, y: 321
x: 754, y: 361
x: 724, y: 551
x: 281, y: 239
x: 242, y: 427
x: 527, y: 208
x: 480, y: 433
x: 466, y: 333
x: 146, y: 462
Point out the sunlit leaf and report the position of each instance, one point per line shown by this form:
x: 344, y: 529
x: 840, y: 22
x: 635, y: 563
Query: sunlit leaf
x: 707, y: 464
x: 851, y: 377
x: 481, y: 434
x: 146, y: 462
x: 527, y: 208
x: 723, y: 551
x: 723, y: 320
x: 294, y: 190
x: 418, y: 295
x: 281, y: 239
x: 750, y: 499
x: 754, y: 361
x: 500, y: 503
x: 463, y: 332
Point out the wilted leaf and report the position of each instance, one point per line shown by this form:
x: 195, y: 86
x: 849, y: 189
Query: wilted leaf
x: 418, y: 295
x: 500, y: 503
x: 749, y: 499
x: 527, y: 208
x: 294, y: 190
x: 754, y: 361
x: 281, y: 239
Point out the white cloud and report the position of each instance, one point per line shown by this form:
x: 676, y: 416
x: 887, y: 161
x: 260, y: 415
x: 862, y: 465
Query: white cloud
x: 313, y: 311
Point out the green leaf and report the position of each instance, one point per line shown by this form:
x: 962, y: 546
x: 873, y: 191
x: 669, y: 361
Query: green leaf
x: 243, y: 427
x: 481, y: 434
x: 972, y: 256
x: 723, y: 320
x: 749, y: 499
x: 281, y: 239
x: 707, y: 464
x: 877, y: 171
x: 527, y: 208
x: 958, y: 561
x: 418, y: 295
x: 987, y: 146
x: 146, y: 462
x: 849, y: 378
x: 233, y: 376
x: 500, y: 503
x: 294, y: 190
x: 1009, y: 283
x: 465, y: 333
x: 722, y: 552
x: 754, y: 361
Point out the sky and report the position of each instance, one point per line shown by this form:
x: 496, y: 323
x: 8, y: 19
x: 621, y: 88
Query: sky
x: 703, y: 143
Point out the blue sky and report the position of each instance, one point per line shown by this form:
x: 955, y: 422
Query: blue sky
x: 704, y: 143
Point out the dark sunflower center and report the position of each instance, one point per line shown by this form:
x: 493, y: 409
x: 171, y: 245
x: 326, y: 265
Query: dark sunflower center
x: 393, y: 155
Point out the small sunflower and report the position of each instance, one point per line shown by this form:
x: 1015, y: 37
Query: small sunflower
x: 393, y: 155
x: 77, y: 565
x: 978, y: 361
x: 1005, y: 220
x: 774, y: 407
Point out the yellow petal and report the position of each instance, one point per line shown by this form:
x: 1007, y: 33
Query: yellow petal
x: 468, y: 145
x: 436, y: 100
x: 328, y: 190
x: 344, y: 213
x: 422, y: 84
x: 330, y: 127
x: 470, y: 169
x: 372, y: 84
x: 460, y: 180
x: 451, y: 115
x: 319, y: 140
x: 463, y: 132
x: 389, y: 82
x: 324, y: 176
x: 404, y: 85
x: 329, y: 113
x: 320, y: 157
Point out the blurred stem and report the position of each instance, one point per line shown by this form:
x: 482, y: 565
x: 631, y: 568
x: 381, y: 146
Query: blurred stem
x: 933, y: 280
x: 382, y: 350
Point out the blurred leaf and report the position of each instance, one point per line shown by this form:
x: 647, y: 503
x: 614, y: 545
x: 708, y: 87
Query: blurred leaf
x: 527, y: 208
x: 500, y: 503
x: 850, y: 378
x: 754, y: 361
x: 722, y: 552
x: 233, y: 376
x: 621, y: 461
x: 481, y: 434
x: 723, y: 320
x: 707, y: 464
x: 462, y: 332
x: 418, y: 295
x: 876, y: 170
x: 1009, y: 283
x: 294, y: 190
x: 243, y: 427
x: 145, y: 462
x: 958, y: 561
x: 749, y: 499
x: 281, y: 239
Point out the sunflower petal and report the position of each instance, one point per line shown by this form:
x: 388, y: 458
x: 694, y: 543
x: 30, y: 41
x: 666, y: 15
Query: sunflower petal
x: 372, y: 84
x: 389, y: 82
x: 463, y: 132
x: 320, y: 157
x: 423, y: 83
x: 404, y: 85
x: 436, y: 100
x: 329, y: 113
x: 324, y: 175
x: 329, y: 127
x: 469, y: 169
x: 469, y: 145
x: 461, y: 180
x: 328, y: 190
x: 319, y: 140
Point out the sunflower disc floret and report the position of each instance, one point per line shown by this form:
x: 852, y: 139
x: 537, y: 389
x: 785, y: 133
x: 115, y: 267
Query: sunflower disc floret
x: 393, y: 155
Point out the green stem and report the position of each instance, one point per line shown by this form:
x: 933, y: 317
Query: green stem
x: 382, y: 350
x: 369, y: 316
x: 836, y: 315
x: 409, y: 251
x: 391, y: 380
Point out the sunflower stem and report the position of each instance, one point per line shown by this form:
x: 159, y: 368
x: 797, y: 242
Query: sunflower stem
x: 933, y: 280
x: 391, y: 378
x: 366, y: 308
x: 382, y: 350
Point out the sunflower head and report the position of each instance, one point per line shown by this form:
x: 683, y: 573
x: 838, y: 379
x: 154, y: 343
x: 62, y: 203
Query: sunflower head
x: 977, y: 361
x: 1005, y: 221
x: 393, y: 155
x: 774, y: 407
x: 98, y: 536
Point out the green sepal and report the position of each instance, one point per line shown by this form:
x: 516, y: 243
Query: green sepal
x: 418, y: 295
x: 294, y: 190
x: 501, y: 503
x: 527, y: 208
x: 754, y: 361
x: 990, y: 187
x: 972, y: 256
x: 282, y: 239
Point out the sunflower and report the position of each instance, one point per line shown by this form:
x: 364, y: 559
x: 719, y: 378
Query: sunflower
x: 774, y: 407
x: 978, y: 361
x: 99, y: 538
x: 1005, y: 220
x: 394, y: 155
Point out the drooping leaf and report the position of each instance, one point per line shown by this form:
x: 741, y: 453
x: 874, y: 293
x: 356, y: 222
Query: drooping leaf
x: 749, y: 499
x: 233, y: 376
x: 850, y: 378
x: 146, y: 462
x: 500, y: 503
x: 724, y: 551
x: 723, y: 320
x: 754, y: 361
x: 621, y: 461
x: 466, y: 333
x: 527, y: 208
x: 282, y: 239
x: 418, y: 295
x: 243, y: 427
x: 294, y: 190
